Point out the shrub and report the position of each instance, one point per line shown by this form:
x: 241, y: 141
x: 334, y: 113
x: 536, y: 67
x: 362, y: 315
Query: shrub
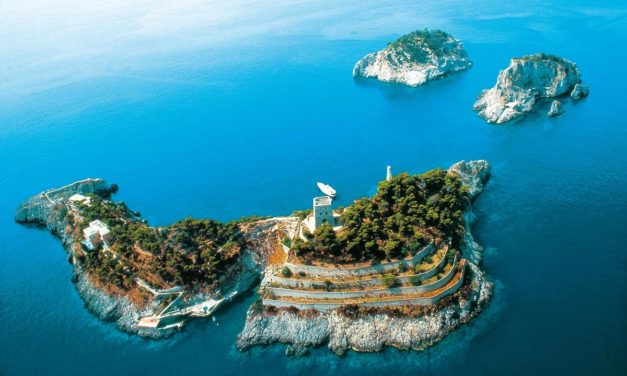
x: 450, y: 256
x: 327, y: 285
x: 287, y: 241
x: 415, y: 280
x: 389, y: 280
x: 286, y: 272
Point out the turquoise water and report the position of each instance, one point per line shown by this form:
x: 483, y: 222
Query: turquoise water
x: 228, y: 109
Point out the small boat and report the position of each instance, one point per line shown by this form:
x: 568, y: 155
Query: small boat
x: 326, y: 189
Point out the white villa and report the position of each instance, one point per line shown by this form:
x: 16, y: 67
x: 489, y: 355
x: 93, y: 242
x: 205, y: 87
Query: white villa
x: 96, y: 235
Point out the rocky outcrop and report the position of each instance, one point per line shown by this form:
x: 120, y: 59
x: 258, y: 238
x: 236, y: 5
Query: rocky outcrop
x: 415, y: 59
x: 373, y: 332
x: 580, y: 91
x: 474, y: 175
x: 556, y: 109
x: 48, y: 209
x: 525, y: 81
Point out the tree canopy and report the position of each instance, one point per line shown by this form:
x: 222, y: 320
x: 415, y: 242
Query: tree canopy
x: 402, y: 216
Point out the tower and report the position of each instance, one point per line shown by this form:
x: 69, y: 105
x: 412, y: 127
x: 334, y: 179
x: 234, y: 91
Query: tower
x: 322, y: 211
x: 388, y: 176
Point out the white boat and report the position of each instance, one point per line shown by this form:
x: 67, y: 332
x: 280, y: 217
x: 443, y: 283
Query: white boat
x: 326, y: 189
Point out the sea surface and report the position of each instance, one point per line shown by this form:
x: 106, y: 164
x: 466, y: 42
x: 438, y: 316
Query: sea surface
x: 224, y: 109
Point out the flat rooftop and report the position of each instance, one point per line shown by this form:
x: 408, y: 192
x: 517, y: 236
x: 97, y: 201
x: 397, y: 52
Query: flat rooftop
x: 322, y: 201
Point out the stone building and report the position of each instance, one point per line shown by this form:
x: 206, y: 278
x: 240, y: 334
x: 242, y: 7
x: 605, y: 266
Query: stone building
x: 322, y: 211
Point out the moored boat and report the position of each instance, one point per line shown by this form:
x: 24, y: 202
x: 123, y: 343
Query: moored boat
x: 326, y: 189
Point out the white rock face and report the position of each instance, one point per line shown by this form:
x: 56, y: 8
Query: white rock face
x: 523, y: 82
x: 474, y: 175
x: 415, y: 59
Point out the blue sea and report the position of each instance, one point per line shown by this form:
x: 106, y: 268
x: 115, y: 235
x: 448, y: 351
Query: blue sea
x: 223, y: 109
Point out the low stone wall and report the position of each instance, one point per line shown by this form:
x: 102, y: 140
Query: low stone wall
x: 360, y: 271
x: 304, y: 283
x: 283, y: 292
x: 331, y: 306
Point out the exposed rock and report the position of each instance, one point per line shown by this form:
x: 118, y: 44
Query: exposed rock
x: 47, y: 209
x: 556, y: 109
x: 523, y: 82
x: 415, y: 59
x: 580, y: 91
x: 373, y: 332
x: 474, y: 175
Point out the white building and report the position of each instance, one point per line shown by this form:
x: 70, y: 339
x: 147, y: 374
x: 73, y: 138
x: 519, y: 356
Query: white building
x: 388, y: 175
x: 96, y: 234
x: 79, y: 198
x: 322, y: 211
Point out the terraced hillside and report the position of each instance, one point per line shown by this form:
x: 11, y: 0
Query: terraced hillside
x: 401, y: 269
x: 422, y: 279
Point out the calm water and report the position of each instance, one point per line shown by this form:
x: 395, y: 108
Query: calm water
x: 228, y: 109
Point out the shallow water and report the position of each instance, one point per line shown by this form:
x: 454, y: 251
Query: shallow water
x: 228, y: 109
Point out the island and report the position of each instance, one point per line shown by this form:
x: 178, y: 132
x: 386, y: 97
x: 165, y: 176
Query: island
x: 398, y: 269
x: 415, y: 59
x: 525, y: 82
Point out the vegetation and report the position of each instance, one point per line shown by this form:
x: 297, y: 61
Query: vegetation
x: 286, y: 241
x: 418, y: 45
x: 286, y: 272
x: 302, y: 214
x: 415, y: 280
x: 191, y: 252
x: 400, y: 219
x: 389, y: 280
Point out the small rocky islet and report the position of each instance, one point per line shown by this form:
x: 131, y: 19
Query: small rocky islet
x: 412, y: 241
x: 525, y: 82
x: 415, y: 59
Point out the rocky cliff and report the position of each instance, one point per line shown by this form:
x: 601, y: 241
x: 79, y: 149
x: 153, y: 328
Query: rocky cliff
x: 524, y: 82
x: 48, y: 210
x: 373, y: 331
x: 415, y: 59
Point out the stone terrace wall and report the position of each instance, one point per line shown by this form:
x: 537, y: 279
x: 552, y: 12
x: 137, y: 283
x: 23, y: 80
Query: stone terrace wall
x: 361, y: 271
x: 305, y: 283
x: 330, y: 306
x: 282, y: 292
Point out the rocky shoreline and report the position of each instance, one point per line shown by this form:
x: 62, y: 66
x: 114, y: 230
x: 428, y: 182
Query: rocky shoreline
x: 373, y: 332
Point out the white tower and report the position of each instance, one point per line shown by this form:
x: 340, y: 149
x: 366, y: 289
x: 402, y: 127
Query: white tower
x: 322, y: 211
x: 388, y: 176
